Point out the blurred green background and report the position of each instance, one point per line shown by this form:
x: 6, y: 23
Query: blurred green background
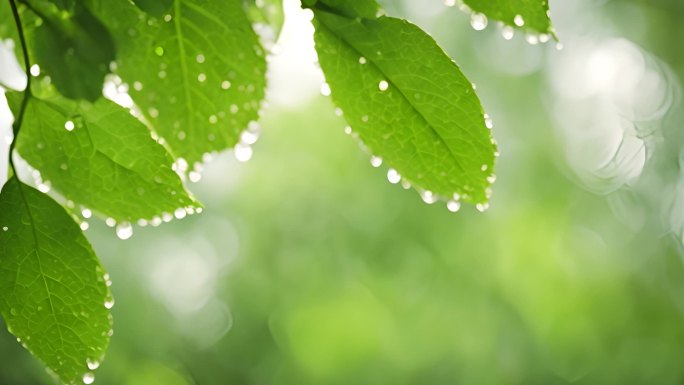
x: 308, y: 267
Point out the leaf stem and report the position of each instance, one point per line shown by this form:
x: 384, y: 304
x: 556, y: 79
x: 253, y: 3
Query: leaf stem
x: 16, y: 126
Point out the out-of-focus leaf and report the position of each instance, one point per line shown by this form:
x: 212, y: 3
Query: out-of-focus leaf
x: 267, y: 12
x: 198, y: 73
x: 54, y: 293
x: 409, y: 103
x: 75, y: 49
x: 528, y: 14
x: 100, y: 156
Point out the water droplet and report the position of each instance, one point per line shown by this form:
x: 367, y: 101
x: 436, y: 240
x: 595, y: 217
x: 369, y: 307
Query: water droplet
x: 491, y: 179
x: 201, y: 77
x: 167, y: 18
x: 153, y: 112
x: 35, y: 70
x: 137, y: 86
x: 92, y: 364
x: 450, y: 3
x: 249, y: 137
x: 44, y: 187
x: 559, y: 46
x: 69, y: 125
x: 88, y: 378
x: 482, y: 207
x: 5, y: 228
x: 364, y: 118
x: 234, y: 108
x: 194, y: 176
x: 180, y: 213
x: 507, y: 32
x: 532, y: 39
x: 159, y: 51
x: 453, y: 205
x: 544, y: 37
x: 84, y: 226
x: 362, y: 60
x: 348, y: 130
x: 225, y: 84
x: 405, y: 184
x: 109, y: 303
x: 111, y: 222
x: 478, y: 21
x: 243, y: 152
x: 124, y: 230
x: 200, y: 58
x: 518, y: 20
x: 376, y: 161
x: 428, y: 197
x: 488, y: 121
x: 484, y: 167
x: 393, y: 176
x: 325, y: 89
x: 213, y: 119
x: 383, y: 85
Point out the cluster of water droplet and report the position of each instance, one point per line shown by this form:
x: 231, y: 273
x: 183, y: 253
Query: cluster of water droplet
x: 479, y: 22
x: 453, y: 203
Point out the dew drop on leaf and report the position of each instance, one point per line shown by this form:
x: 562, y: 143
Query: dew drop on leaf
x: 243, y: 152
x: 507, y: 32
x: 124, y: 230
x: 428, y: 197
x: 393, y: 176
x: 518, y: 20
x: 325, y: 89
x: 478, y: 21
x: 453, y: 205
x: 92, y: 364
x: 88, y: 378
x: 180, y: 213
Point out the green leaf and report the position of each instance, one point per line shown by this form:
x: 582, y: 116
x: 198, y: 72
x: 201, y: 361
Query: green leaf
x: 75, y: 49
x: 409, y: 103
x: 55, y: 297
x: 367, y: 9
x: 154, y: 7
x: 197, y: 74
x: 528, y: 14
x: 106, y: 161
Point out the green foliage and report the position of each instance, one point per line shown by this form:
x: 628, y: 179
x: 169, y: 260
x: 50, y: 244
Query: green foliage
x: 532, y: 15
x: 100, y: 156
x: 55, y: 297
x: 75, y: 49
x: 196, y: 73
x: 429, y: 128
